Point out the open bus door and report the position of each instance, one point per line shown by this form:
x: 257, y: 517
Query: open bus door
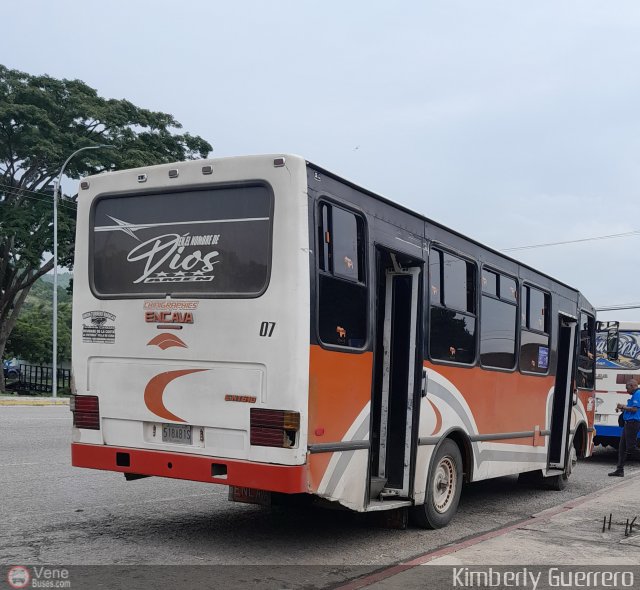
x: 562, y: 394
x: 394, y: 401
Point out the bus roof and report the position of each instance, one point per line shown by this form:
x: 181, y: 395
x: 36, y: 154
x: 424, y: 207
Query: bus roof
x: 440, y: 225
x: 357, y: 187
x: 628, y: 326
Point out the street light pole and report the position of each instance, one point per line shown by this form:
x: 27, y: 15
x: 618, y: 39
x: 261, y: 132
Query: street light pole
x: 56, y: 190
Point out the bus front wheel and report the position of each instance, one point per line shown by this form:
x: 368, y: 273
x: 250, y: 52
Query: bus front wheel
x: 444, y: 485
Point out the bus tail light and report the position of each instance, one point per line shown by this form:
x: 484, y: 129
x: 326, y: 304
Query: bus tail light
x: 86, y: 411
x: 274, y: 428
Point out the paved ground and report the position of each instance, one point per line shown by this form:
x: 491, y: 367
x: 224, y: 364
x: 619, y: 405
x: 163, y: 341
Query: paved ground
x: 53, y: 513
x: 592, y: 531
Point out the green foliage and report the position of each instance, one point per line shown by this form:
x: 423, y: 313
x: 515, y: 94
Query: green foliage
x: 32, y: 336
x: 65, y: 280
x: 42, y: 122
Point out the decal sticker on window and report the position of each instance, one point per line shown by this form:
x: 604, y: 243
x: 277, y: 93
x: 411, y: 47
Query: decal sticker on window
x: 209, y: 242
x: 543, y: 357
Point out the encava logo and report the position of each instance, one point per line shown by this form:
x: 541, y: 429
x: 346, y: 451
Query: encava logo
x: 166, y: 259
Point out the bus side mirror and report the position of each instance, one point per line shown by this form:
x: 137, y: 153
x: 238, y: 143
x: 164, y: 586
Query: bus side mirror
x: 612, y: 346
x: 612, y: 330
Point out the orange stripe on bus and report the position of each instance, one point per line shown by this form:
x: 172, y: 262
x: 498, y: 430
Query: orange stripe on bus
x: 501, y: 402
x: 438, y: 425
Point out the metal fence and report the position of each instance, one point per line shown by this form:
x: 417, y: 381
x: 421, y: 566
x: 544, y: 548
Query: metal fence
x: 38, y: 379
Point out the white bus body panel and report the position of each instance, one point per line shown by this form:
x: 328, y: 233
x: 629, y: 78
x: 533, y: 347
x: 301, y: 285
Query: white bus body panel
x: 225, y: 352
x: 608, y: 392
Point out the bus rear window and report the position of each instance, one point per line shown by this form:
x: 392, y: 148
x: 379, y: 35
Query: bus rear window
x: 205, y: 243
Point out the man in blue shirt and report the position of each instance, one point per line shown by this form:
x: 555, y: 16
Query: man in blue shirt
x: 631, y: 415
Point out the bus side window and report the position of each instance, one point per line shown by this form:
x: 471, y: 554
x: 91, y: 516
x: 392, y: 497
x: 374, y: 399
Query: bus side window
x: 435, y: 280
x: 586, y: 352
x: 534, y: 336
x: 452, y: 325
x: 342, y: 299
x: 498, y: 317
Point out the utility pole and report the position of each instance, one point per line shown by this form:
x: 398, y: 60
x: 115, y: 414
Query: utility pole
x: 56, y: 191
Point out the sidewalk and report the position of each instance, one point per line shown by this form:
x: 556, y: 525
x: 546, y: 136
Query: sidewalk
x: 569, y: 534
x: 32, y: 400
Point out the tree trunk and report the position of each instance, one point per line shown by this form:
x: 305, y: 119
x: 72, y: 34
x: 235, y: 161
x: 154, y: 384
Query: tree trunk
x: 3, y: 344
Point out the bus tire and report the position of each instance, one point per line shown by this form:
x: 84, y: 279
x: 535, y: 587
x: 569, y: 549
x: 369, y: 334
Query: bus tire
x: 444, y: 485
x: 559, y: 482
x: 531, y: 478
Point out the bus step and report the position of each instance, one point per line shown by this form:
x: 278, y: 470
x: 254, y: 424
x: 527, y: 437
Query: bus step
x: 376, y: 486
x: 389, y: 494
x: 376, y: 505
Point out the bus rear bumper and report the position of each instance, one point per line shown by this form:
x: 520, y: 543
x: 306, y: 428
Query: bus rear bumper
x: 288, y: 479
x: 608, y: 431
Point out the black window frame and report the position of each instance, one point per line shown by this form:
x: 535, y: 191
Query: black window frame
x: 593, y: 350
x: 436, y: 246
x: 526, y: 328
x: 494, y: 272
x: 363, y: 268
x: 498, y: 297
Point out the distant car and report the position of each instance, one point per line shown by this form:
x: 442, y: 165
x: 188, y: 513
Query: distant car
x: 10, y: 370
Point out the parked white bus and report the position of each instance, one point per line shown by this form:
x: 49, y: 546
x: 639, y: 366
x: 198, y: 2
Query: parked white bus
x: 618, y: 360
x: 262, y: 323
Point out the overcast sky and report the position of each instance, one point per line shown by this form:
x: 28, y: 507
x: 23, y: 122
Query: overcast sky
x: 513, y: 122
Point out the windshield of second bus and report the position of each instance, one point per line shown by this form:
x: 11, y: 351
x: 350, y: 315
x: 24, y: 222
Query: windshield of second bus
x: 628, y: 351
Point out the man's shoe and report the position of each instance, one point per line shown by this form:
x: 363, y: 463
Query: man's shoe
x: 617, y: 473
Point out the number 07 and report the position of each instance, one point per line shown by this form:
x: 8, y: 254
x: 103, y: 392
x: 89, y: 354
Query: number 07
x: 267, y: 328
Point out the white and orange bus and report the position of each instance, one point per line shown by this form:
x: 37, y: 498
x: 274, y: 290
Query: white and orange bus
x: 617, y: 361
x: 261, y: 323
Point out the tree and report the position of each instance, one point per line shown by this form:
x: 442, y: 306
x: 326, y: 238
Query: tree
x: 32, y: 336
x: 42, y: 121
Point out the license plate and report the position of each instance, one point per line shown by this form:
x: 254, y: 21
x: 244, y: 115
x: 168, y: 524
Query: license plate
x: 176, y: 433
x: 249, y: 496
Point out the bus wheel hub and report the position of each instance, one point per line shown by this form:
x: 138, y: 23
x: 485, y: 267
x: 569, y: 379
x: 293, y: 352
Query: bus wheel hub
x: 444, y: 484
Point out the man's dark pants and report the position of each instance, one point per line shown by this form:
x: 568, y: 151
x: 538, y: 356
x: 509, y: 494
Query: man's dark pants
x: 628, y: 441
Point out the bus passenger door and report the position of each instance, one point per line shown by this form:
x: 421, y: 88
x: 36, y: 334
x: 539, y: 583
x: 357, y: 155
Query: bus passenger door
x: 562, y: 393
x: 394, y: 390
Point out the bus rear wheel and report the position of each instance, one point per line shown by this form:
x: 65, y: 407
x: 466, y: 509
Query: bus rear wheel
x: 444, y: 485
x: 559, y: 482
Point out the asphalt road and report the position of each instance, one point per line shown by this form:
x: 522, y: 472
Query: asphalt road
x: 55, y: 514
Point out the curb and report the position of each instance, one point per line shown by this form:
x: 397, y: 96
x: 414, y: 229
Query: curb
x: 395, y: 569
x: 34, y: 402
